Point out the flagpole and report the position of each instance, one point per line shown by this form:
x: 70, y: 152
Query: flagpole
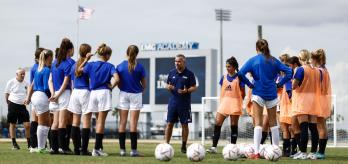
x: 78, y: 27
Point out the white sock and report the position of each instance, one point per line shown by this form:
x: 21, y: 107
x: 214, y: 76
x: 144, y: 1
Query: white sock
x: 42, y: 133
x: 275, y: 135
x: 257, y: 138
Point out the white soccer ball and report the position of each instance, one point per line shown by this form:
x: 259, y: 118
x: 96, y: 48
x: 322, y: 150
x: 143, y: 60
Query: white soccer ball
x: 263, y: 150
x: 273, y: 153
x: 164, y: 152
x: 249, y: 150
x: 230, y: 152
x: 195, y: 152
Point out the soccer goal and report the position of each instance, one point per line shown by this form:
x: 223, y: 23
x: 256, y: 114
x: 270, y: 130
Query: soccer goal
x: 245, y: 124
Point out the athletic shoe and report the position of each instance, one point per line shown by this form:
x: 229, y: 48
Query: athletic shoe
x: 301, y: 156
x: 43, y: 151
x: 312, y: 156
x: 320, y: 156
x: 34, y: 150
x: 212, y: 150
x: 99, y: 152
x: 64, y: 152
x: 15, y: 147
x: 296, y: 154
x: 183, y: 150
x: 254, y: 156
x: 54, y: 152
x: 135, y: 153
x: 123, y: 152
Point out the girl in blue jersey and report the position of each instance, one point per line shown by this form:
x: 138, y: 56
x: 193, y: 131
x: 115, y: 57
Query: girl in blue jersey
x: 60, y: 86
x: 34, y: 124
x: 40, y: 96
x: 264, y: 69
x: 78, y: 103
x: 132, y: 83
x: 100, y: 73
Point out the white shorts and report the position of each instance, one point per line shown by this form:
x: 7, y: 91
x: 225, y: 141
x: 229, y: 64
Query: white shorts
x: 131, y: 101
x: 40, y: 102
x: 269, y: 104
x: 63, y: 101
x: 99, y: 100
x: 79, y: 101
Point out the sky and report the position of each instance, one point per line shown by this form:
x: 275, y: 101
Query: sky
x: 288, y: 25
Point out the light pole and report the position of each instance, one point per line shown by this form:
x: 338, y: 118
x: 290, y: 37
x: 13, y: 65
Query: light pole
x: 222, y: 15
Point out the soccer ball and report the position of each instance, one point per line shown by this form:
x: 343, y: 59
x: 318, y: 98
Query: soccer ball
x: 164, y: 152
x: 263, y: 150
x: 249, y: 150
x: 230, y: 152
x: 195, y: 152
x: 273, y: 153
x: 241, y: 148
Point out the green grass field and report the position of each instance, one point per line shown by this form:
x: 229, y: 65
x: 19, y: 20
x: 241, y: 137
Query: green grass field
x: 7, y: 156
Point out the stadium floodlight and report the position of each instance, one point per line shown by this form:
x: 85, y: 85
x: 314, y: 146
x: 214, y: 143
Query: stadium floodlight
x: 222, y: 15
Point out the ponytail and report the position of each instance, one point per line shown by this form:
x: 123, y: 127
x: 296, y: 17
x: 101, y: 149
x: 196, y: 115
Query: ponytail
x: 84, y: 49
x: 65, y: 46
x: 104, y: 50
x: 262, y: 46
x: 304, y: 56
x: 132, y: 53
x: 42, y: 59
x: 233, y: 62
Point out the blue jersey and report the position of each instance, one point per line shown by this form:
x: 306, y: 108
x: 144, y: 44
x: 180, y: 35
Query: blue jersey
x: 32, y: 72
x: 264, y: 72
x: 81, y: 82
x: 179, y: 81
x: 41, y: 80
x: 230, y: 79
x: 71, y: 61
x: 60, y: 72
x: 100, y: 74
x: 130, y: 82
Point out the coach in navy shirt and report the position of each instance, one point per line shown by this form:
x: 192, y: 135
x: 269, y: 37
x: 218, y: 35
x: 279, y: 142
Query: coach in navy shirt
x: 181, y: 83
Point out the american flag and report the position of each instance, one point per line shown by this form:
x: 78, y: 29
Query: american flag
x: 85, y: 13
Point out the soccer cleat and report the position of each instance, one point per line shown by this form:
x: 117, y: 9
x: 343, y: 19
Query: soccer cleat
x: 135, y: 153
x: 34, y: 150
x: 64, y: 152
x: 301, y: 156
x: 15, y: 146
x: 97, y: 153
x: 183, y: 150
x: 312, y: 156
x: 320, y: 156
x: 43, y: 151
x: 123, y: 152
x: 212, y: 150
x: 254, y: 156
x: 53, y: 152
x: 292, y: 156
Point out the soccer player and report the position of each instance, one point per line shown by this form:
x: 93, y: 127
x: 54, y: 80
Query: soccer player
x: 132, y: 84
x: 231, y: 102
x: 319, y: 59
x: 181, y: 83
x: 34, y: 124
x: 100, y: 73
x: 306, y: 93
x: 15, y: 94
x: 264, y: 69
x: 78, y: 102
x: 40, y: 97
x: 60, y: 86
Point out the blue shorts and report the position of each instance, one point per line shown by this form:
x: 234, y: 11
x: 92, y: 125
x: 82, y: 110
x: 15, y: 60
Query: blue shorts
x: 174, y: 114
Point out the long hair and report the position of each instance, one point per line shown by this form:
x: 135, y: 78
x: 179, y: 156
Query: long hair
x: 37, y: 54
x: 284, y: 57
x: 132, y: 52
x: 294, y: 60
x: 104, y: 50
x: 42, y: 59
x: 233, y: 62
x: 65, y: 46
x: 304, y: 56
x: 262, y: 46
x: 84, y: 49
x: 322, y: 56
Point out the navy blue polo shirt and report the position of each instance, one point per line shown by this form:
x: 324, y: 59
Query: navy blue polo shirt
x: 179, y: 81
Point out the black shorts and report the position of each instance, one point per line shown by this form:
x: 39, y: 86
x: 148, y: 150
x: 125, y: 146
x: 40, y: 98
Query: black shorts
x: 17, y: 114
x: 176, y: 114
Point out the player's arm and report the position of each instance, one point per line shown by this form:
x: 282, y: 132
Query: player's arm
x: 143, y: 83
x: 30, y: 93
